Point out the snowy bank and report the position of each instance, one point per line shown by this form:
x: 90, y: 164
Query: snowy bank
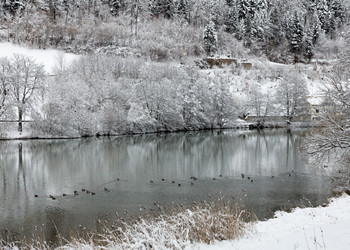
x: 304, y: 228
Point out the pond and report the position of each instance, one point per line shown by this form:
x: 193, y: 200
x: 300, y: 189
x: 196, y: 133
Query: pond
x: 128, y: 171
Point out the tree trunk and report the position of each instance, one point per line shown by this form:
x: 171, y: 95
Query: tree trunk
x: 20, y: 119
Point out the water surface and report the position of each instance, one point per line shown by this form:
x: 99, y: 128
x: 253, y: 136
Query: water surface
x: 127, y: 165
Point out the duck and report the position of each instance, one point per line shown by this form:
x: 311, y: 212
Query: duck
x: 242, y: 175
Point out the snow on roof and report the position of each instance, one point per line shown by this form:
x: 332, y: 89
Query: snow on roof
x: 48, y: 57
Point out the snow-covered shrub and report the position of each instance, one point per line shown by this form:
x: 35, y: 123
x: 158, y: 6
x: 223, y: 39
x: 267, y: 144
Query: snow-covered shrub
x: 181, y: 226
x: 206, y: 222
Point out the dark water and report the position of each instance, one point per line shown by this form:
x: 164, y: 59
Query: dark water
x: 126, y: 165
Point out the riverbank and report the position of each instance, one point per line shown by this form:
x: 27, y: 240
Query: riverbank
x: 304, y: 228
x: 11, y: 132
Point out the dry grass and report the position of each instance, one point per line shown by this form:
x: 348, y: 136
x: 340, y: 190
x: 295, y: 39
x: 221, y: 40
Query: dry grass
x: 206, y: 222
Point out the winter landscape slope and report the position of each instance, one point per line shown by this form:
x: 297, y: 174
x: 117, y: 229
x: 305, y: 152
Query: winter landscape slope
x: 51, y: 59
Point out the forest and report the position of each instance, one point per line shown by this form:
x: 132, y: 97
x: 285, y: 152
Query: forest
x: 141, y: 66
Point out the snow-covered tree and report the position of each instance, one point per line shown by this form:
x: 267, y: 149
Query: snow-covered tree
x: 115, y: 5
x: 182, y: 9
x: 308, y: 46
x: 259, y: 102
x: 291, y: 93
x: 163, y: 8
x: 210, y: 38
x: 316, y: 27
x: 296, y: 34
x: 222, y: 101
x: 12, y: 6
x: 4, y: 86
x: 274, y: 31
x: 243, y: 9
x: 333, y: 140
x: 258, y: 26
x: 324, y: 14
x: 231, y: 21
x: 26, y: 83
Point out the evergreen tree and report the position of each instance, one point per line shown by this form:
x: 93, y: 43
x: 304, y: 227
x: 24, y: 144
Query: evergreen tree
x: 241, y: 31
x: 12, y: 6
x: 332, y: 24
x: 243, y: 9
x: 231, y: 21
x: 297, y: 34
x: 311, y: 5
x: 258, y: 26
x: 261, y: 5
x: 316, y: 27
x: 115, y: 6
x: 163, y: 8
x: 210, y: 38
x: 338, y: 12
x: 231, y: 3
x: 308, y: 45
x: 323, y: 14
x: 286, y: 25
x: 274, y: 27
x: 183, y: 9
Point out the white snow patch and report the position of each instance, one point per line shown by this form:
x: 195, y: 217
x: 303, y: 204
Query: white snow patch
x: 49, y: 57
x: 315, y: 100
x: 304, y: 228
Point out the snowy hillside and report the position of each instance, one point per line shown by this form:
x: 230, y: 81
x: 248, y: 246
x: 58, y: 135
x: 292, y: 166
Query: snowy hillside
x: 84, y: 98
x: 50, y: 58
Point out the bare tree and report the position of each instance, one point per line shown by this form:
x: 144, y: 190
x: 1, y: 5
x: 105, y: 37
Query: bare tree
x: 335, y: 116
x: 290, y: 94
x: 26, y: 81
x: 4, y: 85
x: 332, y: 141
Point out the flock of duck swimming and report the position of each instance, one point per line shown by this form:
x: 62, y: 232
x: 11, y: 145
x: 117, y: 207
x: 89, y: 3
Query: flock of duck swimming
x: 192, y: 178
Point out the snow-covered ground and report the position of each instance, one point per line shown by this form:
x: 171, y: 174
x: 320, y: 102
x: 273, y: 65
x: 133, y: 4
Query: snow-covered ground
x: 50, y: 58
x: 304, y: 228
